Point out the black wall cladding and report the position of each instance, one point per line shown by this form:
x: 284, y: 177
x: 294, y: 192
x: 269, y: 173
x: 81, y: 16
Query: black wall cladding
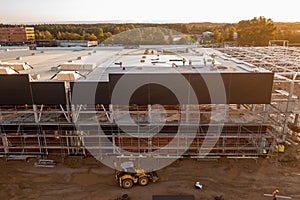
x: 239, y: 88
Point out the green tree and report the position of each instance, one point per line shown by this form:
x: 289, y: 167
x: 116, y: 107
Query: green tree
x: 256, y: 32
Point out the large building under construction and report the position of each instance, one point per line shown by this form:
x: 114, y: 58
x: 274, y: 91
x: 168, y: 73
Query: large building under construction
x: 115, y: 101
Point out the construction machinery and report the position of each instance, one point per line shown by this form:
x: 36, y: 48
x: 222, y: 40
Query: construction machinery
x: 130, y: 176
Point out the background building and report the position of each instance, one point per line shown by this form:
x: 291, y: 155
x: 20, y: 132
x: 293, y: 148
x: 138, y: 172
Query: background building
x: 17, y: 35
x: 76, y: 43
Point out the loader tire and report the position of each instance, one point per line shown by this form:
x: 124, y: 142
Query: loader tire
x: 143, y: 181
x: 127, y: 183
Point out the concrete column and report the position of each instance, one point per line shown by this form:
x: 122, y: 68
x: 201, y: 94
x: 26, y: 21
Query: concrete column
x: 36, y: 114
x: 266, y: 116
x: 226, y: 113
x: 253, y: 107
x: 223, y: 144
x: 4, y: 142
x: 296, y: 121
x: 73, y: 113
x: 68, y: 100
x: 114, y: 143
x: 0, y: 115
x: 149, y: 113
x: 111, y: 117
x: 187, y: 113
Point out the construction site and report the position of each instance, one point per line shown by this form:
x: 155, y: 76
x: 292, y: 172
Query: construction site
x: 118, y: 104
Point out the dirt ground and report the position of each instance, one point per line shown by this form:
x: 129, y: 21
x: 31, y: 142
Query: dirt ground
x: 87, y: 179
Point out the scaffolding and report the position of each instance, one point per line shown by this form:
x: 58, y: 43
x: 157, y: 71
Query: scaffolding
x: 283, y: 112
x: 40, y: 130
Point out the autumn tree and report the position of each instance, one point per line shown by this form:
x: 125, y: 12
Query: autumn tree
x: 228, y: 33
x: 170, y: 37
x: 256, y: 32
x: 100, y: 34
x: 184, y: 28
x: 90, y: 37
x: 218, y: 37
x: 43, y: 35
x: 158, y: 36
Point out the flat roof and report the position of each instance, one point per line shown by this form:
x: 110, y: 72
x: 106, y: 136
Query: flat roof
x: 165, y: 59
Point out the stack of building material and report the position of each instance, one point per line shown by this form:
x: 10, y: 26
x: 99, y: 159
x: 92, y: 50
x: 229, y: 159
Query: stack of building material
x: 15, y: 66
x: 77, y: 67
x: 7, y: 70
x: 68, y: 76
x: 35, y: 76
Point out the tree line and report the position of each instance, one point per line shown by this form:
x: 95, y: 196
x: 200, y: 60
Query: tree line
x: 253, y: 32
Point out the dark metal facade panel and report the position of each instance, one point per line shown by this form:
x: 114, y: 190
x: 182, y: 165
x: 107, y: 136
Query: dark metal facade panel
x: 159, y: 94
x: 251, y: 88
x: 215, y: 88
x: 149, y: 88
x: 90, y: 93
x: 201, y: 88
x: 48, y: 93
x: 141, y: 95
x: 15, y: 89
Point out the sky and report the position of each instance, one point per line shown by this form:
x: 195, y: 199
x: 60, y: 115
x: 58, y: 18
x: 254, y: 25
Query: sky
x: 231, y: 11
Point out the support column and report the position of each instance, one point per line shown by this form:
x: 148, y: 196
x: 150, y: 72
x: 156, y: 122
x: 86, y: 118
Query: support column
x: 68, y: 101
x: 4, y: 142
x: 253, y: 107
x: 226, y: 112
x: 288, y: 109
x: 113, y: 143
x: 111, y: 117
x: 73, y: 113
x: 223, y: 144
x: 187, y: 113
x: 296, y: 121
x: 266, y: 115
x: 149, y: 113
x: 0, y: 115
x: 36, y: 114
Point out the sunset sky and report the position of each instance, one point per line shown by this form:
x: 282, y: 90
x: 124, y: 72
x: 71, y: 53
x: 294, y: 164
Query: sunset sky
x: 45, y: 11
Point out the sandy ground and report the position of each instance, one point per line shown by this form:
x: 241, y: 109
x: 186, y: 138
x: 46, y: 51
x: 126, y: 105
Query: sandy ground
x: 87, y: 179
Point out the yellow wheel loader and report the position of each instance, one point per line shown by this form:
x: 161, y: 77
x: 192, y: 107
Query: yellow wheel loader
x: 128, y: 178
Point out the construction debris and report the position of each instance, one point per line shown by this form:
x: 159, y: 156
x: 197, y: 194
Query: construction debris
x: 45, y: 163
x: 277, y: 196
x: 198, y: 185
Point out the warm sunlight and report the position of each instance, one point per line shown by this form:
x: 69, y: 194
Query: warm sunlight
x: 15, y: 11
